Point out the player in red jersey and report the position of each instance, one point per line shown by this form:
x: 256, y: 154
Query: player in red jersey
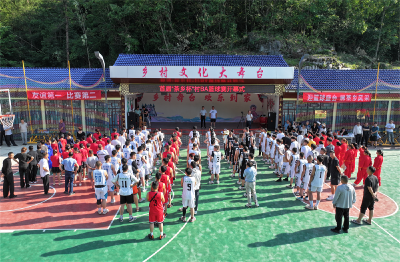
x: 83, y: 142
x: 94, y: 147
x: 156, y: 214
x: 168, y: 151
x: 84, y: 152
x: 65, y: 153
x: 161, y: 185
x: 114, y: 133
x: 54, y: 144
x: 63, y: 143
x: 165, y: 179
x: 78, y: 157
x: 89, y: 139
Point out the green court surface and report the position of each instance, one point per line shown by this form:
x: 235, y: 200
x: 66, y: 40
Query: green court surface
x: 281, y: 229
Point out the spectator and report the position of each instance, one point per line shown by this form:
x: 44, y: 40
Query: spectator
x: 389, y: 130
x: 2, y: 134
x: 370, y: 197
x: 80, y: 134
x: 23, y: 160
x: 335, y: 173
x: 286, y: 125
x: 374, y: 134
x: 23, y: 128
x: 7, y: 172
x: 358, y: 133
x: 250, y: 178
x: 70, y: 166
x: 365, y: 135
x: 146, y: 117
x: 61, y: 127
x: 343, y: 132
x: 45, y: 172
x: 70, y: 140
x: 315, y: 129
x: 344, y: 199
x: 249, y: 119
x: 33, y: 165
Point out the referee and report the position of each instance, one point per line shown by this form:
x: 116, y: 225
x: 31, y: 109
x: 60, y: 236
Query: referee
x: 203, y: 113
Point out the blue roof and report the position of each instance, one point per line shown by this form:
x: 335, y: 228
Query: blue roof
x: 54, y: 78
x: 200, y: 60
x: 346, y: 80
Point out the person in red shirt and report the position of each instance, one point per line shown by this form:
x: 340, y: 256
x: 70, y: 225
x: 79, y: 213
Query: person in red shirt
x: 96, y: 134
x: 378, y: 161
x: 353, y: 162
x: 78, y: 157
x: 83, y: 142
x: 316, y: 139
x: 54, y: 144
x: 63, y: 143
x: 348, y: 160
x: 156, y: 214
x: 84, y: 153
x: 338, y: 153
x: 167, y: 151
x: 343, y: 150
x: 165, y: 179
x: 65, y: 153
x: 55, y: 161
x: 76, y: 145
x: 115, y: 133
x: 161, y: 186
x: 104, y: 139
x: 100, y: 142
x: 335, y: 140
x: 94, y: 147
x: 363, y: 163
x: 323, y: 134
x: 89, y: 139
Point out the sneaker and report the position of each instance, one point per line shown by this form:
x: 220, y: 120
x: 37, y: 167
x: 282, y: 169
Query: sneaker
x: 286, y: 179
x: 330, y: 198
x: 28, y: 186
x: 297, y: 194
x: 84, y: 178
x: 309, y: 207
x: 245, y: 194
x: 180, y: 209
x: 183, y: 218
x: 121, y: 219
x: 335, y: 230
x: 73, y: 193
x: 232, y: 175
x: 144, y: 190
x: 257, y: 205
x: 345, y: 230
x: 163, y: 236
x: 192, y: 219
x: 306, y: 198
x: 211, y: 182
x: 248, y: 206
x: 53, y: 183
x: 150, y: 236
x: 141, y: 200
x: 80, y: 184
x: 217, y: 181
x: 75, y: 185
x: 278, y: 180
x: 299, y: 198
x: 195, y: 212
x: 241, y: 188
x: 99, y: 212
x: 289, y: 186
x: 315, y: 207
x: 59, y: 184
x: 131, y: 219
x: 113, y: 201
x: 238, y: 182
x: 105, y: 211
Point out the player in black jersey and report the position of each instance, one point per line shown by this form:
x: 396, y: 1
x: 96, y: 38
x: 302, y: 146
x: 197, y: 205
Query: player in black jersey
x: 244, y: 157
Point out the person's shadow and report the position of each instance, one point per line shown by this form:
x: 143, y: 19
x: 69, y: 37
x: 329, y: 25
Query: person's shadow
x: 295, y: 237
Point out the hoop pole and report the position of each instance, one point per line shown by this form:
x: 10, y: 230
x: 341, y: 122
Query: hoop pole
x: 376, y: 92
x: 72, y: 105
x: 27, y: 99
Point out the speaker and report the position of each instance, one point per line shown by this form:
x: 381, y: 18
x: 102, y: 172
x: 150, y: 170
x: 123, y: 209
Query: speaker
x: 132, y: 119
x: 271, y: 122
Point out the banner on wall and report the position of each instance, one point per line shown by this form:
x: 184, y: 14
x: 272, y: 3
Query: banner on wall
x: 178, y: 88
x: 336, y: 97
x: 64, y: 95
x: 168, y: 97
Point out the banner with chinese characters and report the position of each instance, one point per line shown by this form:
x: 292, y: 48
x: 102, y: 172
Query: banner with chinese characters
x: 204, y: 88
x: 64, y: 95
x: 336, y: 97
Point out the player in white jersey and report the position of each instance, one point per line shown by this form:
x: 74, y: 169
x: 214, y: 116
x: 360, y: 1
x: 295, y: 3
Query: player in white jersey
x: 317, y: 180
x: 145, y: 132
x: 109, y: 168
x: 100, y: 177
x: 138, y: 138
x: 188, y: 197
x: 293, y: 160
x: 267, y: 145
x: 195, y: 150
x: 294, y: 143
x: 314, y: 153
x: 127, y: 150
x: 141, y: 163
x: 285, y: 164
x: 149, y: 149
x: 305, y: 177
x: 272, y: 150
x: 299, y: 170
x: 125, y: 181
x: 119, y: 154
x: 101, y: 153
x: 131, y: 131
x: 305, y: 148
x: 215, y: 159
x: 115, y: 161
x: 280, y: 151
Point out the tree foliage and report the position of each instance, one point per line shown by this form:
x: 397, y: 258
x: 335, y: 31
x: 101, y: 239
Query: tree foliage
x: 35, y: 30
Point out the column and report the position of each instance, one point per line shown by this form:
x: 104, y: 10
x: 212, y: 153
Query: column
x: 334, y: 117
x: 83, y: 113
x: 123, y: 111
x: 42, y: 108
x: 389, y: 111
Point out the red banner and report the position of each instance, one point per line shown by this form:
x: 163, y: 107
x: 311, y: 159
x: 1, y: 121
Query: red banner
x: 336, y: 97
x: 207, y: 89
x: 64, y: 95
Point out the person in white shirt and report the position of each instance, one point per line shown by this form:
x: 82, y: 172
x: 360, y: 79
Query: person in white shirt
x: 249, y: 119
x: 23, y: 128
x: 203, y: 113
x: 131, y: 131
x: 294, y: 143
x: 101, y: 154
x: 389, y: 129
x: 213, y: 116
x: 109, y: 147
x: 100, y: 176
x: 300, y: 138
x: 115, y: 141
x: 305, y: 148
x: 358, y: 132
x: 280, y: 134
x: 44, y: 172
x: 188, y: 194
x: 122, y: 139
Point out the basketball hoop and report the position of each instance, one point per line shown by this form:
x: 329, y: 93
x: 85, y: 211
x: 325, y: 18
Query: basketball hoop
x: 7, y: 120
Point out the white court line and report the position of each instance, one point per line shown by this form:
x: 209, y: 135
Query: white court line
x: 167, y: 242
x: 32, y: 205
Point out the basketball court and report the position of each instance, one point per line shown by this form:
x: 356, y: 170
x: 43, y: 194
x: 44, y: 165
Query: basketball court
x: 36, y: 227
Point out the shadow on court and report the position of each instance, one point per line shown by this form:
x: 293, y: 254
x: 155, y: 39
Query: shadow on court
x: 294, y: 237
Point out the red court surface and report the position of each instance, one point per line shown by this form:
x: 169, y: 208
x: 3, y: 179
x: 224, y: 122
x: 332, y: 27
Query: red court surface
x: 33, y: 210
x: 384, y: 208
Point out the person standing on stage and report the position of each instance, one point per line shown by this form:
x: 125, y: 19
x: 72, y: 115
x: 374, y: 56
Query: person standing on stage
x: 213, y: 116
x: 249, y: 119
x: 203, y: 113
x: 7, y: 172
x: 61, y: 127
x: 389, y: 130
x: 358, y: 132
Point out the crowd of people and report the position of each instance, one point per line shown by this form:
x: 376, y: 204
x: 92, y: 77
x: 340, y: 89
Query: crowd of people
x: 125, y: 163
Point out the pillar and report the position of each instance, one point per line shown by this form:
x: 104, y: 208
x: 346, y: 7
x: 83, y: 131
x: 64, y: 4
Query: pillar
x: 123, y: 111
x: 389, y: 111
x: 334, y: 117
x: 83, y: 113
x: 42, y: 108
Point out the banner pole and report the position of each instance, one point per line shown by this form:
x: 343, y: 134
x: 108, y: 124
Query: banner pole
x: 27, y: 99
x: 376, y: 92
x: 72, y: 106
